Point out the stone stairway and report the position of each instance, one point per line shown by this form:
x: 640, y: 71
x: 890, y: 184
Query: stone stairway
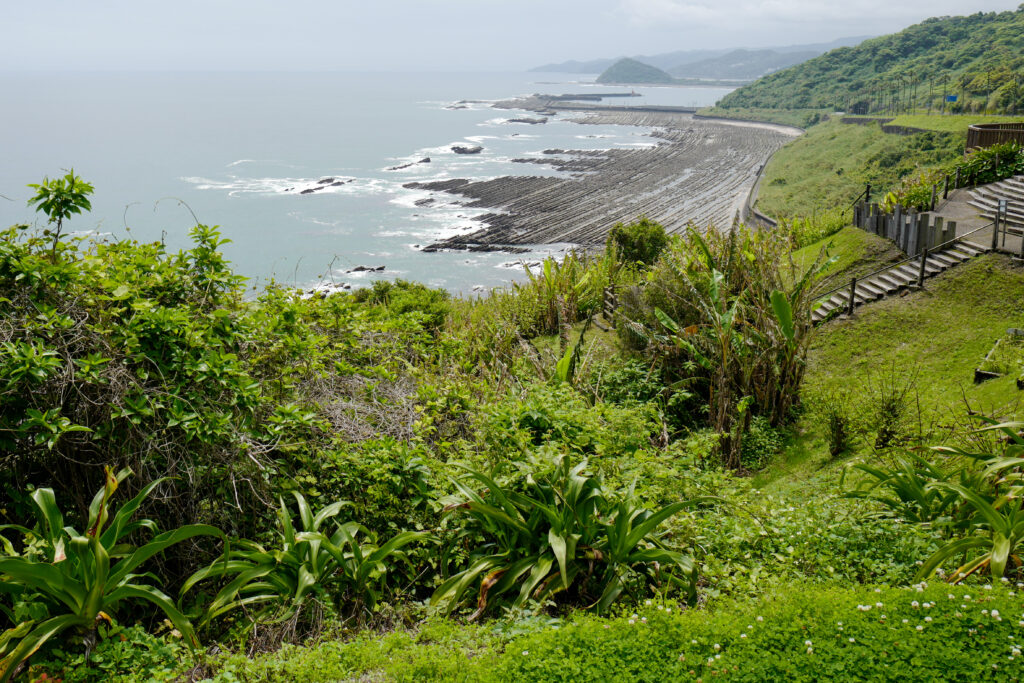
x: 986, y: 199
x: 895, y: 279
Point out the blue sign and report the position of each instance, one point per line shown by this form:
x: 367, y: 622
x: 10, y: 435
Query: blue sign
x: 951, y: 98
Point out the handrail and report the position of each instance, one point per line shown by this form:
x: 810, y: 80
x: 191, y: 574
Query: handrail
x: 899, y: 263
x: 867, y: 191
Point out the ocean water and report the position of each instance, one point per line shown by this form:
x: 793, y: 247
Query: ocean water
x: 237, y: 149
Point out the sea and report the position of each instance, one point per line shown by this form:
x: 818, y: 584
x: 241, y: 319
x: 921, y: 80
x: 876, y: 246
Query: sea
x: 166, y: 150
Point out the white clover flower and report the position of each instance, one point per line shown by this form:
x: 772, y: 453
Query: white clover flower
x: 668, y: 610
x: 1015, y: 652
x: 750, y: 627
x: 807, y: 643
x: 915, y: 604
x: 810, y: 650
x: 839, y: 623
x: 985, y: 612
x: 718, y: 656
x: 717, y: 647
x: 647, y: 602
x: 643, y: 619
x: 760, y: 618
x: 852, y: 640
x: 693, y: 642
x: 743, y: 635
x: 1005, y: 580
x: 987, y: 586
x: 906, y: 621
x: 927, y: 618
x: 879, y: 605
x: 711, y: 660
x: 661, y: 607
x: 967, y: 597
x: 526, y: 653
x: 632, y: 621
x: 951, y: 596
x: 919, y: 627
x: 995, y: 614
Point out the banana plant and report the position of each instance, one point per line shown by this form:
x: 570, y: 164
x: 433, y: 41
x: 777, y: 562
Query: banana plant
x: 86, y: 574
x: 279, y: 580
x: 563, y: 535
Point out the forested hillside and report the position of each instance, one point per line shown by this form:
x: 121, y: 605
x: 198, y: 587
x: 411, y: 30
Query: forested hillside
x: 978, y: 58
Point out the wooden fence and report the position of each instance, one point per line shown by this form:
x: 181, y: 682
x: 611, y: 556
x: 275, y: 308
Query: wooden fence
x: 912, y: 232
x: 988, y: 134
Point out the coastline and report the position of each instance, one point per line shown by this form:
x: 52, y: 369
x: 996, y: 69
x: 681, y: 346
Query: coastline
x: 700, y: 171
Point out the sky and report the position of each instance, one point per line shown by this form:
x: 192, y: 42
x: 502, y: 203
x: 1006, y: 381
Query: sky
x: 422, y: 35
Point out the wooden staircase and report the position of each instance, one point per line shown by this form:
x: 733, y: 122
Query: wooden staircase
x: 895, y: 279
x: 986, y: 199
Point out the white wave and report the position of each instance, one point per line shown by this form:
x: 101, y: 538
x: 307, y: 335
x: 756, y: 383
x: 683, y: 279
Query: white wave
x: 235, y: 186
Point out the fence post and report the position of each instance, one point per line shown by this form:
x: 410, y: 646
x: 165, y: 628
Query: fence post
x: 945, y: 189
x: 924, y: 262
x: 995, y: 231
x: 956, y: 185
x: 867, y: 194
x: 922, y: 233
x: 939, y: 236
x: 1001, y: 210
x: 934, y: 190
x: 951, y: 227
x: 853, y: 295
x: 910, y: 242
x: 897, y: 221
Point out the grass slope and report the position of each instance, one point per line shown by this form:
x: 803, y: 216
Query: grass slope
x: 939, y: 335
x: 829, y: 166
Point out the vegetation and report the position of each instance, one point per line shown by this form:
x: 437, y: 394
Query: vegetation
x: 829, y: 166
x: 393, y: 484
x: 977, y: 58
x: 628, y: 70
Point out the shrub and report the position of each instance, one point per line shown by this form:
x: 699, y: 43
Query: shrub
x: 640, y: 242
x: 761, y: 443
x: 557, y: 535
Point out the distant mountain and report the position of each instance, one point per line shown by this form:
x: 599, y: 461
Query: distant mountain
x: 594, y: 66
x: 742, y: 64
x: 631, y: 71
x: 668, y: 61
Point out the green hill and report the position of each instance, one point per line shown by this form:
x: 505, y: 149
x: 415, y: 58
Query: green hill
x: 978, y: 58
x: 628, y: 70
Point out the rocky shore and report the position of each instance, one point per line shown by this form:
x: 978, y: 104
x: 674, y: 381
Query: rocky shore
x: 700, y: 171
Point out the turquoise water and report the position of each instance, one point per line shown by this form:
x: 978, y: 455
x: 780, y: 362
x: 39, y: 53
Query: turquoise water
x: 236, y: 149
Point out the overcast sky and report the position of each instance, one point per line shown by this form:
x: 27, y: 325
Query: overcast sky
x: 397, y: 35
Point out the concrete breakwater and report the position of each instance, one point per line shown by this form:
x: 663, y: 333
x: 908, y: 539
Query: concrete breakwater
x: 700, y: 172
